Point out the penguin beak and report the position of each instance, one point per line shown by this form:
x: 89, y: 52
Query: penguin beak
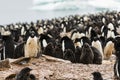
x: 32, y: 35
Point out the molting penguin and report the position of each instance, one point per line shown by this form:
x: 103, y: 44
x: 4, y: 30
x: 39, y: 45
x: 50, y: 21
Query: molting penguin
x: 97, y: 56
x: 77, y: 54
x: 58, y: 53
x: 32, y: 46
x: 109, y: 48
x: 69, y: 55
x: 87, y: 55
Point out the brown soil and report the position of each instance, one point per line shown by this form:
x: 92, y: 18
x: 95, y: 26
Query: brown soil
x: 55, y: 70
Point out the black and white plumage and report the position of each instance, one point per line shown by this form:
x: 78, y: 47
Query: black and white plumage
x: 44, y: 40
x: 81, y: 41
x: 67, y: 43
x: 8, y: 48
x: 97, y: 44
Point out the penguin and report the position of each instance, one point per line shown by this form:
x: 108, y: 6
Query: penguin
x: 32, y: 46
x: 1, y: 50
x: 117, y: 62
x: 44, y: 40
x: 67, y: 43
x: 81, y: 41
x: 49, y: 49
x: 87, y: 55
x: 102, y: 40
x: 77, y: 54
x: 97, y: 76
x: 24, y: 74
x: 109, y: 48
x: 111, y: 26
x: 19, y: 50
x: 97, y: 56
x: 88, y: 31
x: 97, y: 44
x: 117, y: 66
x: 58, y: 53
x: 69, y: 55
x: 8, y: 45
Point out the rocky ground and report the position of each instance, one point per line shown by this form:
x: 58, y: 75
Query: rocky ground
x: 47, y: 69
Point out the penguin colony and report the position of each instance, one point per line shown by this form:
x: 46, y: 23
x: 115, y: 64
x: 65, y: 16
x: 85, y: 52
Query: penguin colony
x: 87, y: 39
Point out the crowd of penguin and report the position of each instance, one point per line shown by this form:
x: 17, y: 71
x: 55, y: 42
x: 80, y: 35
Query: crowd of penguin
x: 87, y: 39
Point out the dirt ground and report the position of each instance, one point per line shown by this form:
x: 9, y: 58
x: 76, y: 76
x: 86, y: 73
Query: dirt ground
x: 45, y: 69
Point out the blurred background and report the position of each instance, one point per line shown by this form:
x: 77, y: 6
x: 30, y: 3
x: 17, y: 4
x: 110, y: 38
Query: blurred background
x: 12, y: 11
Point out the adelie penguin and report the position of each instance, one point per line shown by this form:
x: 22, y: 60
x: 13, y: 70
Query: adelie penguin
x: 67, y: 43
x: 97, y: 44
x: 44, y: 40
x: 81, y: 41
x: 8, y: 44
x: 32, y: 47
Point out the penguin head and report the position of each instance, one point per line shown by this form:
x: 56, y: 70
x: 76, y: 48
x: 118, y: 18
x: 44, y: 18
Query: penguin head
x: 86, y: 45
x: 97, y: 76
x: 32, y: 34
x: 25, y: 70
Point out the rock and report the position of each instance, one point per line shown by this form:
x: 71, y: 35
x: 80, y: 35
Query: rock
x: 21, y: 61
x: 4, y: 64
x: 53, y: 59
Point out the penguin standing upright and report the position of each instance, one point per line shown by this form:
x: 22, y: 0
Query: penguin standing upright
x: 32, y: 47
